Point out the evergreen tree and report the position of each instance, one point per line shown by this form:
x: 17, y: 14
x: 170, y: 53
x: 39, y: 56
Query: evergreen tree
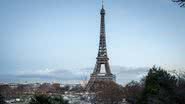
x: 159, y: 87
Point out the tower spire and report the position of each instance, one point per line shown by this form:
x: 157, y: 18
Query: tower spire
x: 102, y: 4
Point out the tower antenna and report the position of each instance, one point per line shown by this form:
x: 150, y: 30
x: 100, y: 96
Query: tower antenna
x: 102, y: 3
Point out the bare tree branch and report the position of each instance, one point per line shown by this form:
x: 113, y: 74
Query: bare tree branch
x: 180, y: 2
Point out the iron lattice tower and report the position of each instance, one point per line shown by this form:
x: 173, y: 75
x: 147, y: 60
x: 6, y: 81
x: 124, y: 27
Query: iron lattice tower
x: 102, y: 57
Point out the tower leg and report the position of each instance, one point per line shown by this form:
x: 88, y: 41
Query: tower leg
x: 97, y: 68
x: 107, y: 68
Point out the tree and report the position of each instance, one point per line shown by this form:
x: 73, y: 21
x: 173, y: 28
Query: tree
x: 159, y: 87
x: 108, y: 92
x: 180, y: 2
x: 6, y: 91
x: 133, y: 91
x: 45, y: 99
x: 2, y: 101
x: 180, y: 88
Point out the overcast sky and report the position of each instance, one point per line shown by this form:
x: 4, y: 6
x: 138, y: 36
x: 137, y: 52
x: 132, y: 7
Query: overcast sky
x: 49, y: 35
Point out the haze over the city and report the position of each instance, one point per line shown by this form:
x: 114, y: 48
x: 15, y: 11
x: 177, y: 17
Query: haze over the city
x: 57, y: 40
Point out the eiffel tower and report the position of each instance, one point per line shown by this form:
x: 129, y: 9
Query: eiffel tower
x: 102, y: 58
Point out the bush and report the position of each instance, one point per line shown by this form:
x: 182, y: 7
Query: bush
x: 45, y: 99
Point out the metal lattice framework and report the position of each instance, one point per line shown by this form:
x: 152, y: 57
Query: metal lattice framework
x: 102, y: 57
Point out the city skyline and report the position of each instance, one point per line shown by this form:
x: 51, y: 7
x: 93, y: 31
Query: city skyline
x: 38, y: 38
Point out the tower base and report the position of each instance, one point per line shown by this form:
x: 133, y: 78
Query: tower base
x: 96, y: 78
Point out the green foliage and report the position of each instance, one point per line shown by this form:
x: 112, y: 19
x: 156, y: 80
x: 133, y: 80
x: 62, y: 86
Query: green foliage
x: 180, y: 89
x: 159, y: 87
x: 2, y: 101
x: 45, y: 99
x: 40, y: 99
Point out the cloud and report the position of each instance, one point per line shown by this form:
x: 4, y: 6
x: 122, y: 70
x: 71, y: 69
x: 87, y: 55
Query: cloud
x: 123, y: 75
x: 127, y: 74
x: 50, y: 75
